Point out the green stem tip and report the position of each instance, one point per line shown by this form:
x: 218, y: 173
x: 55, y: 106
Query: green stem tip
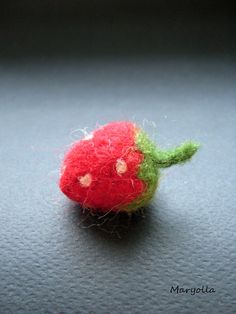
x: 178, y: 155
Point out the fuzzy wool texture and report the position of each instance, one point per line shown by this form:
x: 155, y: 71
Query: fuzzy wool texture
x: 109, y: 190
x: 116, y: 168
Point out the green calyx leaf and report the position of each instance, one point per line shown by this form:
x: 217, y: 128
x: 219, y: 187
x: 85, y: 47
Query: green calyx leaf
x: 148, y: 171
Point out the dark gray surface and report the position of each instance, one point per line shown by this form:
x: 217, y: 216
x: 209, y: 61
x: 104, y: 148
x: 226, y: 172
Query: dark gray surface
x: 50, y: 263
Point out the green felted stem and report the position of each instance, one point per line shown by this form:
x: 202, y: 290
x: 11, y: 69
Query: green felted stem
x: 178, y: 155
x: 153, y: 160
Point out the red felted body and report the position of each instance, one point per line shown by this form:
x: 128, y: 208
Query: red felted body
x: 96, y: 158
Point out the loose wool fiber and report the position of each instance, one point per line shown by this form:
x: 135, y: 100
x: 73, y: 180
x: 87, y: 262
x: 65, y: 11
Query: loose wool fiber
x: 116, y: 168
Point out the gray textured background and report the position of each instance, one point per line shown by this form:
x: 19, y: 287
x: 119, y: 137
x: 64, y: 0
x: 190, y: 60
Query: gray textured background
x: 174, y: 73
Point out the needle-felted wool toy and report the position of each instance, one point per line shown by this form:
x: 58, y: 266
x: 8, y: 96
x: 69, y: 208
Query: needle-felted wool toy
x: 117, y: 168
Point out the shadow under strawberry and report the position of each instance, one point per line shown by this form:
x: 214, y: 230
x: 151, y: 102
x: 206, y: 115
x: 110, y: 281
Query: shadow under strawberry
x: 113, y: 225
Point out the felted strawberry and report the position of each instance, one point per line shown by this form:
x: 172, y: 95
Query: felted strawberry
x: 117, y: 168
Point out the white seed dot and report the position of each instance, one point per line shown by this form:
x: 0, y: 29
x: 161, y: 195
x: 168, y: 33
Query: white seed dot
x: 121, y: 166
x: 85, y: 180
